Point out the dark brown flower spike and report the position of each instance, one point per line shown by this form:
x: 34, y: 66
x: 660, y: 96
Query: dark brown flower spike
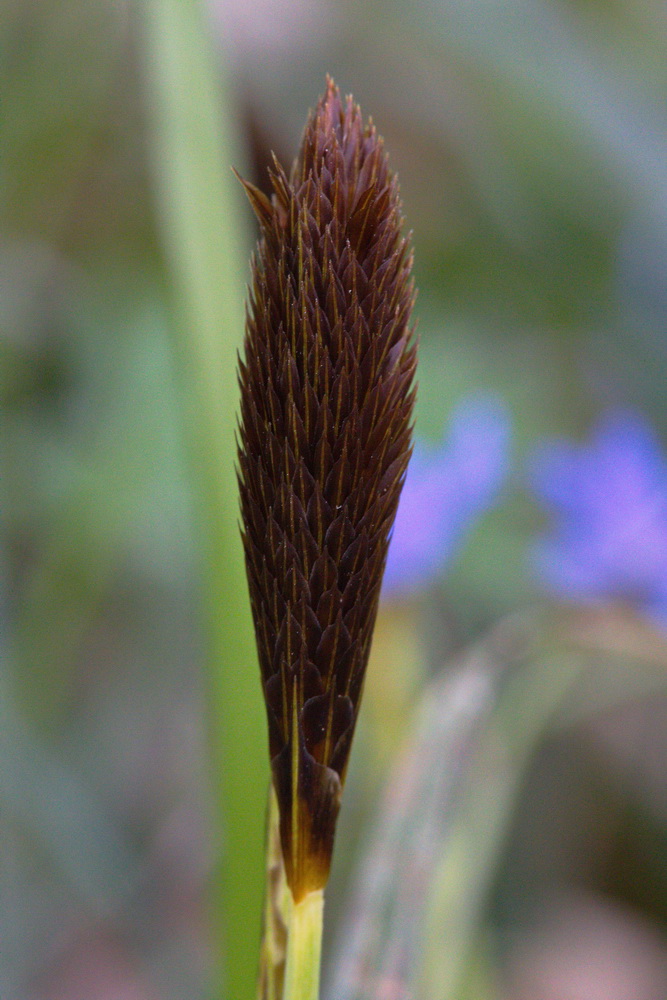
x: 326, y: 404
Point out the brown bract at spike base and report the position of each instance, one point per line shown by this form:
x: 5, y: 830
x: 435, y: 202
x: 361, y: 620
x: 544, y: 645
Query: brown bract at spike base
x: 326, y: 407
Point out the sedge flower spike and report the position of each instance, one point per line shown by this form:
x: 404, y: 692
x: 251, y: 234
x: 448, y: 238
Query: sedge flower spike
x: 327, y: 397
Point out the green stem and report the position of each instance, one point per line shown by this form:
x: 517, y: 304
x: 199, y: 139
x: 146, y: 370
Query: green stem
x: 304, y: 944
x: 203, y: 239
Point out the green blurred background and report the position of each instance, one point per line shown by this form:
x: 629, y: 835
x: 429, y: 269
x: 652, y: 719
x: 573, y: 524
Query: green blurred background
x: 531, y: 143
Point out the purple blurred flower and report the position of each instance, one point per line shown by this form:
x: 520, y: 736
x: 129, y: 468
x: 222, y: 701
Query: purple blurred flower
x: 446, y: 489
x: 610, y: 504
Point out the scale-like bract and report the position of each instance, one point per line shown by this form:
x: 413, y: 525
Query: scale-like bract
x: 326, y: 405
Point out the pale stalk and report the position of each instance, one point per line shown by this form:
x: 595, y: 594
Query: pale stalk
x: 304, y: 945
x: 276, y: 911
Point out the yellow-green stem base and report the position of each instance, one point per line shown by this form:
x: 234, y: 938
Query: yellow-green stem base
x: 304, y: 945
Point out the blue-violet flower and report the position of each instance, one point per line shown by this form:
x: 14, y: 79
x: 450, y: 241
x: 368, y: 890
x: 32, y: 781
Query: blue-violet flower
x: 446, y: 489
x: 609, y: 499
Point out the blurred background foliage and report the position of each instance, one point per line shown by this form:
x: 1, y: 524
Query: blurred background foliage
x: 531, y: 144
